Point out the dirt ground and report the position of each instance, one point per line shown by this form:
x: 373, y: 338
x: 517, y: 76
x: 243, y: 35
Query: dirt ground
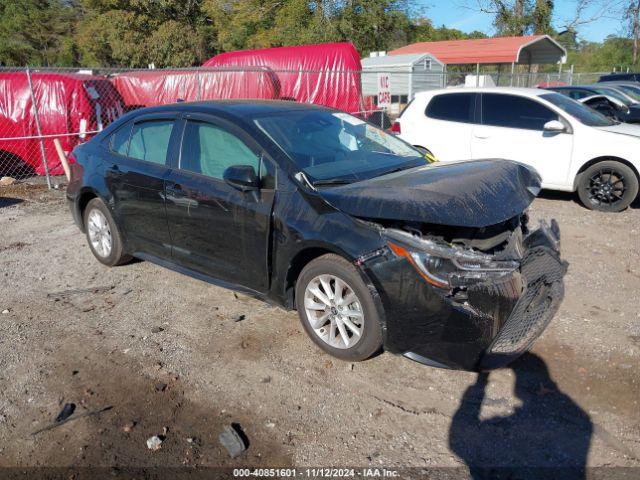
x: 166, y: 353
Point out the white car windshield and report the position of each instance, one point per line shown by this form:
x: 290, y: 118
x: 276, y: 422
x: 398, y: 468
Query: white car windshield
x: 577, y: 110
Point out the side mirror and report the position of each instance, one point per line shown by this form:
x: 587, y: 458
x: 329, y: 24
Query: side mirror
x: 242, y: 177
x: 621, y: 107
x: 555, y: 126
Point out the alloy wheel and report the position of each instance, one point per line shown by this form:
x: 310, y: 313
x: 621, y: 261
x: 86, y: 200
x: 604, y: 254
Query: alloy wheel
x: 99, y: 233
x: 334, y: 311
x: 606, y: 187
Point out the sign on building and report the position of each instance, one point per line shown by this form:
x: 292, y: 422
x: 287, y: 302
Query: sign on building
x: 384, y: 90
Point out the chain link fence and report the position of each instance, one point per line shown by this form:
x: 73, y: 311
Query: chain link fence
x: 45, y: 113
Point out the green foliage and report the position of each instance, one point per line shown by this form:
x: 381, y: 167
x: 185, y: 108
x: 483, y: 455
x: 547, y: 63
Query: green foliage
x: 614, y: 52
x: 36, y: 32
x: 178, y: 33
x: 521, y: 17
x: 423, y: 31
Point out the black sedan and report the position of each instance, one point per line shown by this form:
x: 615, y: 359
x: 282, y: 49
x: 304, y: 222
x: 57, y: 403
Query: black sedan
x: 315, y: 210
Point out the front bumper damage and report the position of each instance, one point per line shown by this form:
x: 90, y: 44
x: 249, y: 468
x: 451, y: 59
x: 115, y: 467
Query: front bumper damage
x: 483, y: 326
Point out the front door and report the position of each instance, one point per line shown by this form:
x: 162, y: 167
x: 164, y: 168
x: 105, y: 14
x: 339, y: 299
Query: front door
x: 513, y: 129
x: 215, y: 228
x: 135, y: 172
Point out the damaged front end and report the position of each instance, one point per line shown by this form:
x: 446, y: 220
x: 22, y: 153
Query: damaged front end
x: 468, y: 298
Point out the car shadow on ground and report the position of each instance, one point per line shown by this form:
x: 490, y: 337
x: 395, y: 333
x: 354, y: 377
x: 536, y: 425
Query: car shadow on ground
x: 8, y: 201
x: 572, y: 197
x: 547, y: 436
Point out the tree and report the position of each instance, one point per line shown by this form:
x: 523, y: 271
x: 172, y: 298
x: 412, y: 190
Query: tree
x: 167, y: 33
x: 36, y: 32
x: 422, y: 30
x: 542, y: 15
x: 518, y: 17
x: 601, y: 57
x: 632, y: 15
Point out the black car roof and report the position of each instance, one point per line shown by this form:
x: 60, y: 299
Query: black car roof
x: 236, y: 108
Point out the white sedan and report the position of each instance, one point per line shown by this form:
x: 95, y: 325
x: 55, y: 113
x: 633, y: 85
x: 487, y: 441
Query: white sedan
x: 573, y: 147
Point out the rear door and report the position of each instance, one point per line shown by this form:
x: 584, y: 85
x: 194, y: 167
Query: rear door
x: 448, y: 124
x: 215, y: 228
x: 513, y: 129
x: 134, y: 174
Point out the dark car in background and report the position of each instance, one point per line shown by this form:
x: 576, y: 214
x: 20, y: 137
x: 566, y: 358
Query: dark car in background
x: 631, y: 89
x: 621, y: 77
x: 316, y: 210
x: 580, y: 92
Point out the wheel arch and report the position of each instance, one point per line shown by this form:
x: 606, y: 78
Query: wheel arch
x: 603, y: 158
x: 300, y: 260
x: 83, y: 200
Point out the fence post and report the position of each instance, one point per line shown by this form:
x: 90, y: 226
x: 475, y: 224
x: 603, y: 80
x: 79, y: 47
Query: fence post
x: 39, y: 128
x: 571, y: 76
x: 199, y: 94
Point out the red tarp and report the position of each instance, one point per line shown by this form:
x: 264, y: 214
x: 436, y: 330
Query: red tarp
x: 67, y: 103
x: 161, y: 87
x: 325, y: 74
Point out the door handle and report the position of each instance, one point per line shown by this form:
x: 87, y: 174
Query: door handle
x: 481, y: 136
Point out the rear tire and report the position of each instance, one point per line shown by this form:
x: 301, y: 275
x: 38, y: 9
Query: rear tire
x: 342, y: 319
x: 608, y: 186
x: 103, y: 236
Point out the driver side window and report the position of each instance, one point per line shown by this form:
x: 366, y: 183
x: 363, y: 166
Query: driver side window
x: 209, y: 150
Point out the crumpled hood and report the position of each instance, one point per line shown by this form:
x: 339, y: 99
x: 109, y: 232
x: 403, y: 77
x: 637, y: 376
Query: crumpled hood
x: 464, y: 194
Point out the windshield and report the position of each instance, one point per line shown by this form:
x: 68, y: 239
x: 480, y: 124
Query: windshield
x: 633, y: 92
x: 612, y: 92
x: 337, y: 147
x: 580, y: 112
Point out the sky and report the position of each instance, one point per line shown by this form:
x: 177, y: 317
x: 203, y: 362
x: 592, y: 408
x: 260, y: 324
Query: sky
x: 459, y: 14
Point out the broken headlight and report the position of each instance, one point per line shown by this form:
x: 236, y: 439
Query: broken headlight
x: 447, y: 266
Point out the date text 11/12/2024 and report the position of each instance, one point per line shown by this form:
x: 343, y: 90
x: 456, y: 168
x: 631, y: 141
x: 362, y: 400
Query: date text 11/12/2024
x: 315, y: 473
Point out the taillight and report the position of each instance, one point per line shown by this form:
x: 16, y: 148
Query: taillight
x: 395, y: 128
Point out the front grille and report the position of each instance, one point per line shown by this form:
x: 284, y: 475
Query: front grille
x: 542, y: 272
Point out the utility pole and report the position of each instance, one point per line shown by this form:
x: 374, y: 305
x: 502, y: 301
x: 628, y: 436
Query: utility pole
x: 634, y: 13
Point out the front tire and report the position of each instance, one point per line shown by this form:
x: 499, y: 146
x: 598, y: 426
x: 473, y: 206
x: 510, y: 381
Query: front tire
x: 103, y: 235
x: 336, y: 309
x: 608, y: 186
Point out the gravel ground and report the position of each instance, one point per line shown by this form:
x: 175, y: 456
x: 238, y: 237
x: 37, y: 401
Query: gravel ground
x: 166, y: 353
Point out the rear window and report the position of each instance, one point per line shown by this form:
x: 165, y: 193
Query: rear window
x: 119, y: 140
x: 150, y: 140
x: 453, y: 107
x: 515, y: 112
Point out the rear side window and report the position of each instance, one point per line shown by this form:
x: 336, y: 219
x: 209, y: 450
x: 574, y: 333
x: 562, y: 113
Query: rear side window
x: 209, y: 150
x: 578, y: 94
x: 119, y: 141
x: 514, y: 112
x: 454, y: 107
x: 150, y: 141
